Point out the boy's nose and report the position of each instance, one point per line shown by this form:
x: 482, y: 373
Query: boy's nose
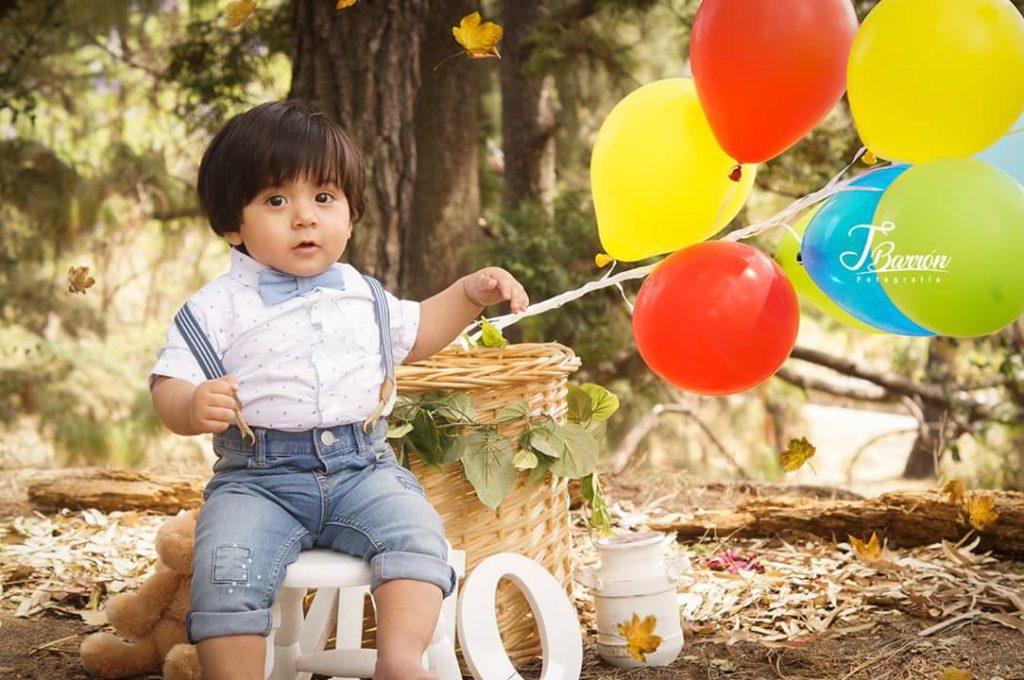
x: 304, y: 216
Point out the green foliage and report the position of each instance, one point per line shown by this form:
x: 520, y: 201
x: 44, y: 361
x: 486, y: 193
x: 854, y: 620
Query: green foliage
x: 86, y: 396
x: 215, y: 65
x: 550, y: 254
x: 440, y: 429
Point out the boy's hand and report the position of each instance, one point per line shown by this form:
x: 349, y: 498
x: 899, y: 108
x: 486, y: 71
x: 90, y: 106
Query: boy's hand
x: 213, y: 404
x: 492, y: 285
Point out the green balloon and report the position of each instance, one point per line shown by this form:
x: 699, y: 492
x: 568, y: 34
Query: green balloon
x: 948, y: 244
x: 805, y: 286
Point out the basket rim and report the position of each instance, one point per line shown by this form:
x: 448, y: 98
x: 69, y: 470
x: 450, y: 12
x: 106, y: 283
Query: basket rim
x: 458, y: 368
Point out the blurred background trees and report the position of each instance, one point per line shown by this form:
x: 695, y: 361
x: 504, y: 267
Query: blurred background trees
x: 105, y: 108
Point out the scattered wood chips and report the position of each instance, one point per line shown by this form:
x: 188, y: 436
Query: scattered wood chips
x: 800, y: 591
x: 71, y: 561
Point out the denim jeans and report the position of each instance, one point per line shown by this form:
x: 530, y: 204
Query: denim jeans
x: 335, y: 488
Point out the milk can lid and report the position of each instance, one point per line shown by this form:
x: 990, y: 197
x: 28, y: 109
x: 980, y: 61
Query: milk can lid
x: 624, y: 541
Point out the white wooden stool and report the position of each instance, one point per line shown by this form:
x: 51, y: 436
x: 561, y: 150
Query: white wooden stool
x: 295, y: 647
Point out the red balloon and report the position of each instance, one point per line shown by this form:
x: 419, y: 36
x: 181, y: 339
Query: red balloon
x: 768, y: 71
x: 716, y: 318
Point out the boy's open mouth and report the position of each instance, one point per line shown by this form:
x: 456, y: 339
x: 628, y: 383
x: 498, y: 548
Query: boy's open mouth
x: 307, y: 245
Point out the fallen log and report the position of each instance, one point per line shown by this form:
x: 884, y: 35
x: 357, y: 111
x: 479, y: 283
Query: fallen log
x: 115, y: 489
x: 904, y: 519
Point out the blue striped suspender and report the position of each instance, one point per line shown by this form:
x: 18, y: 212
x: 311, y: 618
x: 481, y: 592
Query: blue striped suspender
x: 197, y: 341
x: 213, y: 367
x: 387, y: 387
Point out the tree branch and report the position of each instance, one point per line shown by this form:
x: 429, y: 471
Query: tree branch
x: 956, y: 398
x: 805, y: 382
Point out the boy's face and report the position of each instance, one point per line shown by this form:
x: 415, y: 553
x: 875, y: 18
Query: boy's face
x: 300, y: 228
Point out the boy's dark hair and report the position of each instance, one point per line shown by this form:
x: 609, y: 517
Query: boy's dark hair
x: 269, y: 145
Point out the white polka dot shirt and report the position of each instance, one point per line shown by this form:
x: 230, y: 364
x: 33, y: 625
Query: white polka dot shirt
x: 311, y: 361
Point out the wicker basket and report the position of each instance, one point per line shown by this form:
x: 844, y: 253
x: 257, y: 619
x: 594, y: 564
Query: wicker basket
x: 532, y: 521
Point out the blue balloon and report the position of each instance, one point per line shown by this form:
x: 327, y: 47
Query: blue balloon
x: 837, y: 251
x: 1007, y: 154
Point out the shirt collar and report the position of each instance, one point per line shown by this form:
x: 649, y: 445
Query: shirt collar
x: 244, y: 269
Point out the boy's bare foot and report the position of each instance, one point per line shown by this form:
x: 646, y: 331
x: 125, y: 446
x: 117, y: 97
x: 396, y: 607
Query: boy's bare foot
x: 401, y: 668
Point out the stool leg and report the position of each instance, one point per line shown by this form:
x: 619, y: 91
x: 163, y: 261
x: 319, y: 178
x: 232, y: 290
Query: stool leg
x: 441, y: 657
x: 349, y: 632
x: 286, y: 638
x: 441, y: 652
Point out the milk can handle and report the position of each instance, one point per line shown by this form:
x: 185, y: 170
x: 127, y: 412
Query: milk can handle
x: 677, y: 566
x: 588, y: 577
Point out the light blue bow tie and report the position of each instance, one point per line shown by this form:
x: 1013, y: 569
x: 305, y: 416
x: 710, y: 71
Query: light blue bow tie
x: 277, y: 286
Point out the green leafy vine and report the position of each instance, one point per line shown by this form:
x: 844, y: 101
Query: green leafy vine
x: 441, y: 429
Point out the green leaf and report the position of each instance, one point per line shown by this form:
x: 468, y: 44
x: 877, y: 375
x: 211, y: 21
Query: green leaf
x: 525, y: 459
x: 491, y: 336
x: 603, y: 402
x: 456, y: 408
x: 548, y: 440
x: 398, y: 430
x: 580, y: 456
x: 587, y: 487
x: 538, y: 473
x: 425, y: 437
x: 597, y: 429
x: 515, y: 411
x: 455, y: 452
x: 579, y: 403
x: 487, y: 460
x: 406, y: 408
x: 600, y: 517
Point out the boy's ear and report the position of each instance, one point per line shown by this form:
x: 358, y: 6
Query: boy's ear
x: 233, y: 237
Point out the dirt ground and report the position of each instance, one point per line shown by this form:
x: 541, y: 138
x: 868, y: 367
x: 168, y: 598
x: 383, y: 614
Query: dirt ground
x: 46, y: 648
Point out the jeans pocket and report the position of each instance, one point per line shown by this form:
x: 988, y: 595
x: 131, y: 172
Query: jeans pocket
x: 407, y: 479
x: 231, y: 564
x: 230, y: 460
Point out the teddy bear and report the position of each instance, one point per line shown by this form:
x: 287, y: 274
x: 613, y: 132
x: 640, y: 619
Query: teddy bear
x: 153, y: 618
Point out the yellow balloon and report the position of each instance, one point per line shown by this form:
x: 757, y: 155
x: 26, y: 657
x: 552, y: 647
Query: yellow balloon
x: 931, y: 79
x: 788, y: 257
x: 659, y: 178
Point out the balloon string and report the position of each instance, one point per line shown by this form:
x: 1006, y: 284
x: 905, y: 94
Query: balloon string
x: 793, y: 233
x: 725, y: 204
x: 782, y: 218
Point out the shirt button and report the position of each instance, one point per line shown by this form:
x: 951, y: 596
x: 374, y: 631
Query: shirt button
x: 327, y: 437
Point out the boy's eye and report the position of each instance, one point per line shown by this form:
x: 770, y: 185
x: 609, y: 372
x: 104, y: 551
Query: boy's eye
x: 324, y: 197
x: 277, y: 200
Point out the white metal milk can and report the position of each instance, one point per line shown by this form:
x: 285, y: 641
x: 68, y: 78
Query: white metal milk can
x: 634, y: 590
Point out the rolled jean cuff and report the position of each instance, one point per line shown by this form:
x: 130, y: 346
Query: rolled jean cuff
x: 391, y: 566
x: 202, y: 625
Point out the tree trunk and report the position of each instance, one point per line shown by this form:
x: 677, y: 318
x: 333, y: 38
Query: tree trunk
x: 1014, y: 465
x: 362, y: 67
x: 446, y: 196
x: 927, y: 448
x: 905, y: 519
x: 527, y: 112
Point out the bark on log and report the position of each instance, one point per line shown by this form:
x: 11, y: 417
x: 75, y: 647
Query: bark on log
x: 905, y: 519
x: 108, y: 490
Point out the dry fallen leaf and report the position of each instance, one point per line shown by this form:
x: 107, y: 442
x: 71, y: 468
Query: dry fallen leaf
x: 954, y: 673
x: 342, y: 4
x: 478, y: 39
x: 238, y: 11
x: 869, y: 552
x: 954, y: 488
x: 798, y: 452
x: 640, y: 637
x: 982, y: 511
x: 79, y: 279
